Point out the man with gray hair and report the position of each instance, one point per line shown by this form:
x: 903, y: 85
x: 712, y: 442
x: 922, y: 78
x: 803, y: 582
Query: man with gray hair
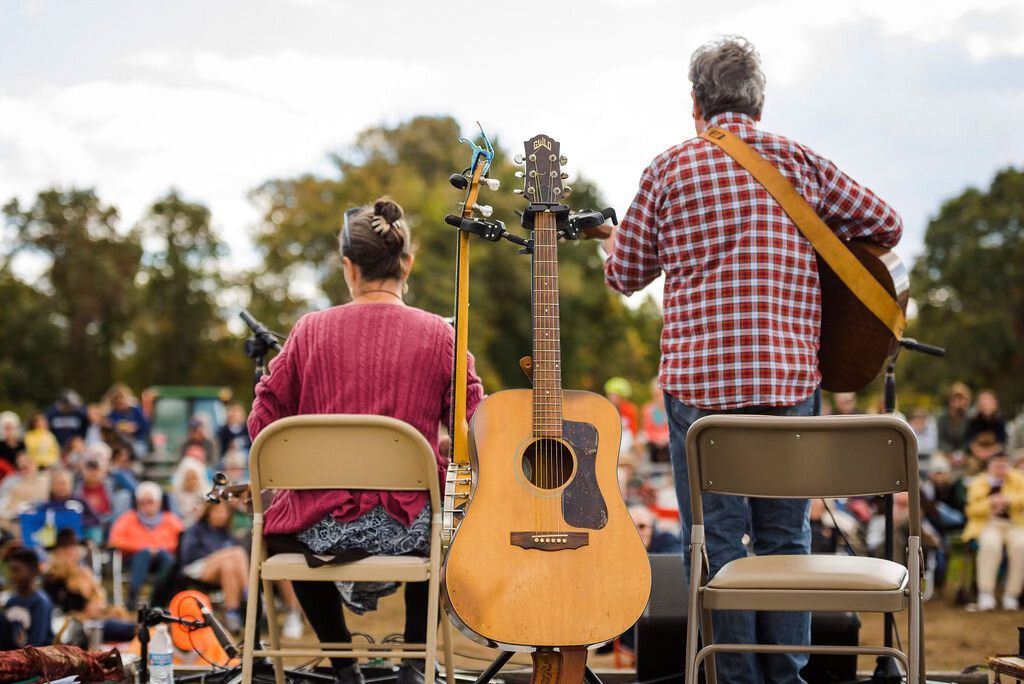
x: 742, y: 311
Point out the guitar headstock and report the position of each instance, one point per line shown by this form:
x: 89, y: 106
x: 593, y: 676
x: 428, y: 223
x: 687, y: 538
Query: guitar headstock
x: 542, y: 175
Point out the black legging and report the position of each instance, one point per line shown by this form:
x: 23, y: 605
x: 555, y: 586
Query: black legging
x: 321, y: 602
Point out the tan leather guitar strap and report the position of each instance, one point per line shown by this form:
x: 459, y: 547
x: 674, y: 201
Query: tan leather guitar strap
x: 829, y: 247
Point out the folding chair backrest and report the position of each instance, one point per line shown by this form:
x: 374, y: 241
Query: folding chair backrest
x: 342, y: 452
x: 802, y: 457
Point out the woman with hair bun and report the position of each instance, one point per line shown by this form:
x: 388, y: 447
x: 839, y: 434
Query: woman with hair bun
x: 375, y: 355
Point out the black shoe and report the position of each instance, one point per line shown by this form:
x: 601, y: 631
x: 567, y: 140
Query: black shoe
x: 349, y: 675
x: 411, y: 672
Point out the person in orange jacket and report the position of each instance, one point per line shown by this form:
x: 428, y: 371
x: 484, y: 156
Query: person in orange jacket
x: 149, y: 536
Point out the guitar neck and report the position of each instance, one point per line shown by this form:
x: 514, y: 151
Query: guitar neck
x: 547, y: 361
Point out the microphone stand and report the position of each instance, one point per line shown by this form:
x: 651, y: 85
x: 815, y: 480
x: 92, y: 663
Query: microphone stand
x: 886, y: 670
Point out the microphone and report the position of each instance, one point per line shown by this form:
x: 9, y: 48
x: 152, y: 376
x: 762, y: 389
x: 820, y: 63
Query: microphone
x: 260, y: 331
x: 218, y: 631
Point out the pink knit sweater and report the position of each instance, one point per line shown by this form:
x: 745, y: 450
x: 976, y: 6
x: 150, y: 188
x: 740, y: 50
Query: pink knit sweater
x: 378, y: 359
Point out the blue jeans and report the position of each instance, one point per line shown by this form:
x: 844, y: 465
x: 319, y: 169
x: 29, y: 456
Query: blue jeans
x: 775, y: 526
x: 155, y: 561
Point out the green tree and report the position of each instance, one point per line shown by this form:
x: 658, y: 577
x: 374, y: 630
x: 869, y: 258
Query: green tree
x: 179, y: 333
x: 31, y: 362
x: 411, y: 162
x: 969, y: 288
x: 88, y: 282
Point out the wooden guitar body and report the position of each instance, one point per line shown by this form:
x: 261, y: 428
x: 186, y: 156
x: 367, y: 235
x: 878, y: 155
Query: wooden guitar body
x: 855, y: 345
x: 559, y: 564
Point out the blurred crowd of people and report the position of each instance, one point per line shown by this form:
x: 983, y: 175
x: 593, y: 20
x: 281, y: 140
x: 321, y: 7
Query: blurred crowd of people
x: 74, y: 504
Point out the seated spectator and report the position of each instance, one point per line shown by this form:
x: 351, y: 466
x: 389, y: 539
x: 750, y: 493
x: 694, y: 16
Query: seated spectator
x: 952, y: 423
x: 73, y: 454
x: 979, y: 451
x: 40, y: 443
x: 945, y: 495
x: 126, y: 418
x: 67, y: 418
x: 78, y: 593
x: 62, y: 490
x: 987, y: 420
x: 845, y: 404
x: 923, y: 426
x: 655, y: 540
x: 618, y: 391
x: 149, y: 536
x: 26, y: 487
x: 12, y: 444
x: 995, y: 517
x: 95, y: 486
x: 198, y: 444
x: 234, y: 432
x: 189, y: 487
x: 235, y: 466
x: 97, y: 416
x: 122, y: 469
x: 210, y: 554
x: 28, y: 612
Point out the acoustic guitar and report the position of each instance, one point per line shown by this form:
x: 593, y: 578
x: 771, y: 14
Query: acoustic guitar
x: 547, y: 554
x: 855, y: 345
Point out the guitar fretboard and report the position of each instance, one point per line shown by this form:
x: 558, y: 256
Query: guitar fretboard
x: 547, y: 361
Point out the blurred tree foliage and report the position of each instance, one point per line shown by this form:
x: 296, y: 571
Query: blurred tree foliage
x: 411, y: 162
x: 87, y: 289
x: 180, y: 336
x: 969, y: 288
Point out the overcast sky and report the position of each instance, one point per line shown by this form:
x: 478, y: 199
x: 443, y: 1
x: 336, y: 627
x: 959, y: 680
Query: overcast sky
x: 917, y: 99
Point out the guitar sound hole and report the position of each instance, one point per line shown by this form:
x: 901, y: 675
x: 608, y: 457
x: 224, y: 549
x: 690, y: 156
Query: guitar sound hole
x: 547, y: 464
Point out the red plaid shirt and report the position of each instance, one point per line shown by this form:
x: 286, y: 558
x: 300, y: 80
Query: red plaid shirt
x: 742, y: 304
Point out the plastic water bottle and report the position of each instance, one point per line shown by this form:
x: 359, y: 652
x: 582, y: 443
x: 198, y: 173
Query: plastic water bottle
x: 161, y: 657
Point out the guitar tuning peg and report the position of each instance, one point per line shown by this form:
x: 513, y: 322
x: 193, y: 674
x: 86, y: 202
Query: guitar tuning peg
x: 517, y: 191
x: 492, y: 183
x: 485, y: 209
x: 564, y: 176
x: 563, y: 160
x: 518, y: 159
x: 566, y: 190
x: 520, y: 174
x: 458, y: 181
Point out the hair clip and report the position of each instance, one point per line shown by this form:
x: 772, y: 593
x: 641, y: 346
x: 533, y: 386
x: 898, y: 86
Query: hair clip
x: 380, y: 225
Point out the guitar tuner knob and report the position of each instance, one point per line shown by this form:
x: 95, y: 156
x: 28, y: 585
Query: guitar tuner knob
x: 492, y: 183
x: 517, y: 191
x: 566, y: 190
x: 520, y: 174
x: 485, y: 209
x: 563, y: 160
x: 518, y: 159
x: 564, y: 176
x: 458, y: 181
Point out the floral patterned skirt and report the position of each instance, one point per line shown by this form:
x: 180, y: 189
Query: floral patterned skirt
x: 376, y: 533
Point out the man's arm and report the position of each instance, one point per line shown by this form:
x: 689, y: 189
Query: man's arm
x: 633, y: 247
x: 853, y: 211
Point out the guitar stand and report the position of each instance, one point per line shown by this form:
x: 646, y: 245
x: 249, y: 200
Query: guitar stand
x: 886, y: 670
x: 487, y: 675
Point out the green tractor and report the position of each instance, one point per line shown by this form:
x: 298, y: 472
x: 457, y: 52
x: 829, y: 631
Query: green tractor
x: 172, y: 407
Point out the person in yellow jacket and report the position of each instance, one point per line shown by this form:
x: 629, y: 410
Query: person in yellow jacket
x: 995, y: 517
x: 40, y: 444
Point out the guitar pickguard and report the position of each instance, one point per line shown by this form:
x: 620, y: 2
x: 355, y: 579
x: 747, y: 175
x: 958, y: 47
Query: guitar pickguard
x: 582, y: 503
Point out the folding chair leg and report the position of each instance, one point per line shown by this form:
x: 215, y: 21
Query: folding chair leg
x: 272, y: 627
x: 449, y: 649
x: 116, y: 558
x: 696, y: 559
x: 708, y: 633
x: 256, y: 557
x: 430, y: 662
x: 914, y: 632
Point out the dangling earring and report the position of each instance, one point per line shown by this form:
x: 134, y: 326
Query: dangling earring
x: 405, y: 287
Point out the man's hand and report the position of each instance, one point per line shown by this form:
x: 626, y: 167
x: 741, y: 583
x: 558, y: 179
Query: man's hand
x: 608, y: 244
x: 999, y: 503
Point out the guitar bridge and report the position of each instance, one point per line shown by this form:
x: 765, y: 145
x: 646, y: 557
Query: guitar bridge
x: 549, y: 541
